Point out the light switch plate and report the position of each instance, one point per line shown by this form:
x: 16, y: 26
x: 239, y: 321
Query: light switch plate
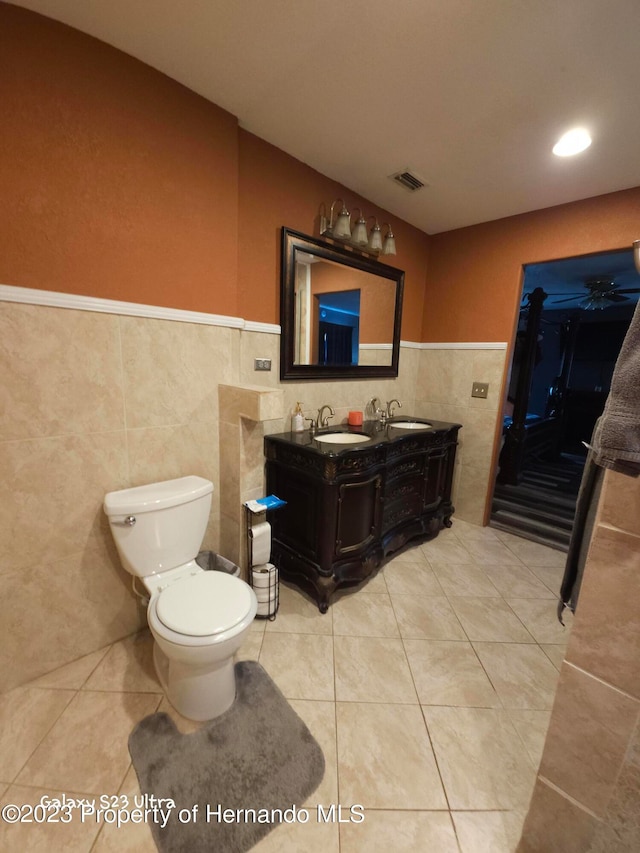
x: 480, y: 389
x: 262, y: 364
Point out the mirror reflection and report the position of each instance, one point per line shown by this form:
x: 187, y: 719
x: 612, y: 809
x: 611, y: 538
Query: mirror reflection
x: 343, y: 315
x: 340, y: 312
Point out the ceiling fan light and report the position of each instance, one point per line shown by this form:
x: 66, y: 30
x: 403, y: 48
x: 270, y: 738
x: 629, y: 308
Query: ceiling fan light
x: 572, y: 142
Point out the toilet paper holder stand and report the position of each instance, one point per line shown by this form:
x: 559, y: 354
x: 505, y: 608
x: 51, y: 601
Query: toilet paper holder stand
x: 268, y: 594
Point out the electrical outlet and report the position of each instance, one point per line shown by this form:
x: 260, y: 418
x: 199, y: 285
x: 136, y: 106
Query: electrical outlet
x: 262, y: 364
x: 480, y: 389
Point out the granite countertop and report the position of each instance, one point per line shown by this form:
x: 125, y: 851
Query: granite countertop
x: 378, y: 434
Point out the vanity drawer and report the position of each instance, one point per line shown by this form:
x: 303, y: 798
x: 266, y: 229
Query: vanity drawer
x: 406, y: 467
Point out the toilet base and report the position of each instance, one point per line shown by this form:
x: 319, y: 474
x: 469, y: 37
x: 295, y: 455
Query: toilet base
x: 198, y: 693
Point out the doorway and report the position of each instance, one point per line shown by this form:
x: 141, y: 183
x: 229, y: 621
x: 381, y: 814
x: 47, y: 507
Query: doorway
x: 573, y: 318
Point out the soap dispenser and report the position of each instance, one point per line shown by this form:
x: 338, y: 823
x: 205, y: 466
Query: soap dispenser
x: 297, y: 420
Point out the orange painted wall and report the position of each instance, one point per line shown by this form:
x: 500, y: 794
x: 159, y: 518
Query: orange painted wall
x: 277, y: 190
x: 475, y: 274
x: 116, y: 181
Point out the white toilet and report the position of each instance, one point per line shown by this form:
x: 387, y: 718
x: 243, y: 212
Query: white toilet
x: 198, y: 618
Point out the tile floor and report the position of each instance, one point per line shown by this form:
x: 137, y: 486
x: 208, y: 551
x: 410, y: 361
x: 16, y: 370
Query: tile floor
x: 429, y: 690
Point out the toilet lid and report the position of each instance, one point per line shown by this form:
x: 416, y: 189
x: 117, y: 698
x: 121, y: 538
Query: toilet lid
x: 204, y: 603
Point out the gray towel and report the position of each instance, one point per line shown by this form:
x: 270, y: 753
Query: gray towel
x: 616, y: 441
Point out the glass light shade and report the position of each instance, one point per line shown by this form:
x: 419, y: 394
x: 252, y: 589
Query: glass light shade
x: 360, y: 236
x: 375, y: 238
x: 594, y: 303
x: 573, y: 142
x: 342, y: 228
x: 389, y: 247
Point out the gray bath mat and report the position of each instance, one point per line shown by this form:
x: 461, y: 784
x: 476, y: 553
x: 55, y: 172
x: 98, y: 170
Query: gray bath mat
x: 256, y: 758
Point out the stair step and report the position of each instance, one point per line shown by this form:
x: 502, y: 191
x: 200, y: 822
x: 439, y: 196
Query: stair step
x: 531, y: 535
x: 556, y: 518
x: 537, y: 496
x: 525, y: 523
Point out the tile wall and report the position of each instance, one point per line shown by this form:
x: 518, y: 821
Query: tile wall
x: 91, y: 402
x: 586, y: 794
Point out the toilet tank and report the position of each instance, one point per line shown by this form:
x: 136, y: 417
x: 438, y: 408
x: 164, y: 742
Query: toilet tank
x: 159, y: 526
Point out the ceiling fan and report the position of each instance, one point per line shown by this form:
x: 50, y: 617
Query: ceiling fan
x: 600, y: 293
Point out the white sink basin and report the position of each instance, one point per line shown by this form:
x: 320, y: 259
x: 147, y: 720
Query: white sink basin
x: 409, y: 425
x: 342, y: 438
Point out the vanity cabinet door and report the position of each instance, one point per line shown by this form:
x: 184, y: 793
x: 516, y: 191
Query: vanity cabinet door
x: 435, y: 477
x: 359, y: 515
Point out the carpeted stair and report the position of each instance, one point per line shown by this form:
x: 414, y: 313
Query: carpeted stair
x: 542, y: 506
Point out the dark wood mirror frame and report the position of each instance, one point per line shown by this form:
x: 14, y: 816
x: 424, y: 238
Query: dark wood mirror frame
x: 293, y: 242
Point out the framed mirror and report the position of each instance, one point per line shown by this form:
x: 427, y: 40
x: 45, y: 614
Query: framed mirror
x: 340, y: 312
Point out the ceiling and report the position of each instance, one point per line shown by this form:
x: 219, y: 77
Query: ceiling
x: 566, y: 277
x: 469, y: 95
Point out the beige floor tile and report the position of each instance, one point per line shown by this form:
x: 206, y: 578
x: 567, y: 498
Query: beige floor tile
x: 555, y: 653
x: 426, y: 618
x: 250, y: 649
x: 464, y: 531
x: 400, y: 831
x: 551, y: 577
x: 488, y: 832
x: 517, y: 581
x: 522, y: 674
x: 300, y: 664
x: 532, y: 553
x: 411, y: 579
x: 412, y: 554
x: 127, y: 667
x: 69, y: 833
x: 312, y: 837
x: 320, y: 719
x: 445, y: 551
x: 26, y: 715
x: 74, y: 674
x: 539, y: 617
x: 183, y: 724
x: 375, y: 584
x: 385, y: 760
x: 131, y: 838
x: 532, y: 727
x: 489, y: 620
x: 490, y: 553
x: 372, y: 669
x: 481, y: 759
x: 466, y: 580
x: 362, y: 615
x: 298, y: 614
x: 449, y: 673
x: 86, y: 750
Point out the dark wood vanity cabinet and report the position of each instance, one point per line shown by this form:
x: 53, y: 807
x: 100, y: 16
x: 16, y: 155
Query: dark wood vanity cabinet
x: 350, y: 508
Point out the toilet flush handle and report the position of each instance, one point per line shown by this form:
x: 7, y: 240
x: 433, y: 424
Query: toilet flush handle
x: 130, y: 520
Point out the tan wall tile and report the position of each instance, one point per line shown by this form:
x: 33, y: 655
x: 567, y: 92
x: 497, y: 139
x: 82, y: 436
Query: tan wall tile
x: 57, y: 488
x: 61, y: 372
x: 605, y: 638
x: 554, y: 824
x: 620, y: 502
x: 590, y: 728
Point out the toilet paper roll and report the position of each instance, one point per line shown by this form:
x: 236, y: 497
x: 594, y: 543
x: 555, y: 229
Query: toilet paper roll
x: 262, y: 577
x: 261, y: 543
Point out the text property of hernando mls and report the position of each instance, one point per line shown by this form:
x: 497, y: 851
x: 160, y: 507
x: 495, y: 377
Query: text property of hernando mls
x: 120, y: 809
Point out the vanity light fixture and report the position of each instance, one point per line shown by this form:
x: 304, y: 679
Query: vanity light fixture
x: 372, y: 242
x: 572, y: 142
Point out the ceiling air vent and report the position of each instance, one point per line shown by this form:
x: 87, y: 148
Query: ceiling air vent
x: 409, y: 180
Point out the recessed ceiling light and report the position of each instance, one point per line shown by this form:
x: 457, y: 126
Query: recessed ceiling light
x: 573, y: 142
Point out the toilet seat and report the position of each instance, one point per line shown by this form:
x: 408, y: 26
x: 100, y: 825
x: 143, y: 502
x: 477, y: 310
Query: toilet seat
x: 203, y: 604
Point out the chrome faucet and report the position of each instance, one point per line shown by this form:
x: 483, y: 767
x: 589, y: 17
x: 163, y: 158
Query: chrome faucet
x: 323, y: 421
x: 376, y: 406
x: 390, y: 409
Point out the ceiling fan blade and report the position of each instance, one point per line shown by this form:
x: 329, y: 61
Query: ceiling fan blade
x: 615, y: 297
x: 629, y: 290
x: 569, y: 298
